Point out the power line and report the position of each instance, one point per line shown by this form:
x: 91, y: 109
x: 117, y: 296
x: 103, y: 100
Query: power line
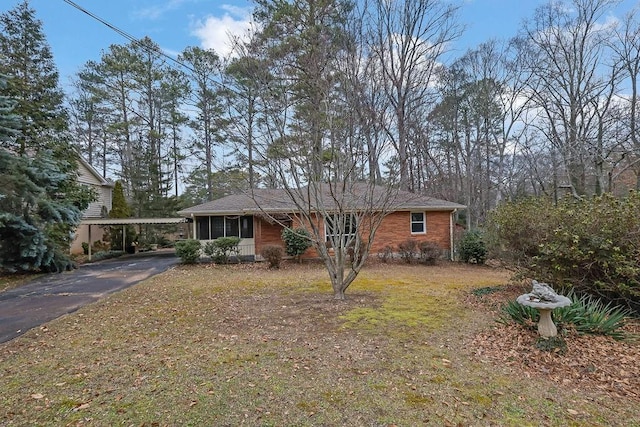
x: 137, y: 42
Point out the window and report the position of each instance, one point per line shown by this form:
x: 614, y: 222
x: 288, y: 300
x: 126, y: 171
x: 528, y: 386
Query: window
x: 212, y: 227
x: 418, y: 223
x: 202, y: 227
x: 232, y: 226
x: 217, y: 227
x: 333, y: 227
x: 246, y: 227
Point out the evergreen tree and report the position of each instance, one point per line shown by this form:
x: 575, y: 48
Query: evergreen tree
x: 41, y: 201
x: 25, y: 57
x: 120, y: 209
x: 9, y: 121
x: 38, y: 207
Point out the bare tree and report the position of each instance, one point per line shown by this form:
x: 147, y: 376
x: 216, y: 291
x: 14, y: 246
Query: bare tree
x: 315, y: 139
x: 566, y: 55
x: 626, y: 47
x: 409, y: 39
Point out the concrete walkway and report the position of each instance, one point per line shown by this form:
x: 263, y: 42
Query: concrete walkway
x: 52, y: 295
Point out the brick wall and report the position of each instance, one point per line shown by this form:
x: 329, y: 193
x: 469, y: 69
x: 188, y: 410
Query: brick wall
x: 266, y: 234
x: 394, y: 229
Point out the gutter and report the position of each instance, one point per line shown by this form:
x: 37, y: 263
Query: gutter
x: 452, y: 251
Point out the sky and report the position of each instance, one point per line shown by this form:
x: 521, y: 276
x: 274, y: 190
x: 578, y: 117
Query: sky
x: 76, y: 38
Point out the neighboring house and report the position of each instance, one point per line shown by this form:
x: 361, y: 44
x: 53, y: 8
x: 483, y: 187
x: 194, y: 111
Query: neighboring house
x: 258, y: 220
x: 89, y: 176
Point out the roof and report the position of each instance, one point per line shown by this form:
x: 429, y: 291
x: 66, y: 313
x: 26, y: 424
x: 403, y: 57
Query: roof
x: 132, y: 221
x: 281, y: 200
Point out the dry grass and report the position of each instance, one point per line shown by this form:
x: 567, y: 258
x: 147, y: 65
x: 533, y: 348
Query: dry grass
x: 13, y: 280
x: 242, y: 345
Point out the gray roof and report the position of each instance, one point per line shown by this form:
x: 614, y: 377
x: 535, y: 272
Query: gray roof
x: 282, y: 201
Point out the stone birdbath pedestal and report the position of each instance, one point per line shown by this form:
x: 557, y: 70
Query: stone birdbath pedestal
x: 544, y: 299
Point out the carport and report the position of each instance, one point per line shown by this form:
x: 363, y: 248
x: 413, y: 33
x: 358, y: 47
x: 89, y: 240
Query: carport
x: 128, y: 221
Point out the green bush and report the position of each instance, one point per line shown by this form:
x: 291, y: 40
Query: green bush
x: 98, y: 256
x: 590, y: 245
x: 222, y: 249
x: 188, y: 251
x: 296, y: 241
x: 273, y: 255
x: 472, y: 248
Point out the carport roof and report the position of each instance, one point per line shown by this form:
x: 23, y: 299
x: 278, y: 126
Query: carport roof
x: 132, y: 221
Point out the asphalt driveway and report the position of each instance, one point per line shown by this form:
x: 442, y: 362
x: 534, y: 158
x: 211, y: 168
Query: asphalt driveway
x: 52, y: 295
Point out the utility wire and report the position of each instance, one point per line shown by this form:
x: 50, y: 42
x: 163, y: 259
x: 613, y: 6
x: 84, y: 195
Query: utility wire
x: 137, y: 42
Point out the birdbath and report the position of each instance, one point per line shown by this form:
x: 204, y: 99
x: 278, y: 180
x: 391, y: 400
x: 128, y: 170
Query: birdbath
x: 544, y: 299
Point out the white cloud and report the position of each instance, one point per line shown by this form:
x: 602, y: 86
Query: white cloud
x: 216, y: 32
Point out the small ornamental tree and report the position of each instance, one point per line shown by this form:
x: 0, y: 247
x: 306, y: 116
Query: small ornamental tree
x: 296, y: 241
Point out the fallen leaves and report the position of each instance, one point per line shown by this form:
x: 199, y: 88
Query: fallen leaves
x: 598, y: 364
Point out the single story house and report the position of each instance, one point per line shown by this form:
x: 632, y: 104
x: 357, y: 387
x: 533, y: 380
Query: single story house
x: 259, y: 217
x: 100, y: 208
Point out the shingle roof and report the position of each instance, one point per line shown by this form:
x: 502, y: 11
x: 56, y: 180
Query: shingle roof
x: 279, y: 200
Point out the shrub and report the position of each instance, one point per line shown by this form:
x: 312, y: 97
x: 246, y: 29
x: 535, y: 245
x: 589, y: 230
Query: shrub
x: 429, y: 253
x: 273, y: 255
x: 106, y: 255
x: 408, y: 250
x: 222, y: 249
x: 386, y: 254
x: 188, y: 251
x: 85, y: 248
x: 590, y: 245
x: 100, y: 246
x: 296, y: 241
x: 472, y: 248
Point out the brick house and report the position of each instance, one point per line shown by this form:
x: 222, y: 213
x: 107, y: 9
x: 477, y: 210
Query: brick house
x: 258, y: 218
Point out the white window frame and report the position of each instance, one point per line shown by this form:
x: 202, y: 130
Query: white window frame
x: 423, y: 222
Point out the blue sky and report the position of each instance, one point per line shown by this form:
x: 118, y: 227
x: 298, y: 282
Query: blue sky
x: 175, y: 24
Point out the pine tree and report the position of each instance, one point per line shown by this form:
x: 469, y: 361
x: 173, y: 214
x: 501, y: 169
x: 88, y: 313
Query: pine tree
x: 25, y: 57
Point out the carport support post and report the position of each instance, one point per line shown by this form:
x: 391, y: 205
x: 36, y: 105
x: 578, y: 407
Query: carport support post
x: 124, y: 228
x: 89, y: 252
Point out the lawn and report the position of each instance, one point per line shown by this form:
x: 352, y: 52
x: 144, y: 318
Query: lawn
x: 242, y: 345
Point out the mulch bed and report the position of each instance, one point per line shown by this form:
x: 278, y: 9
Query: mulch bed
x: 592, y: 363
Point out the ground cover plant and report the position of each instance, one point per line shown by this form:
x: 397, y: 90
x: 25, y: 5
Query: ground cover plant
x: 248, y: 345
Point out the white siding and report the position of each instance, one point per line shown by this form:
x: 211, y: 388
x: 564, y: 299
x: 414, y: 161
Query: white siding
x: 86, y: 177
x: 104, y: 191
